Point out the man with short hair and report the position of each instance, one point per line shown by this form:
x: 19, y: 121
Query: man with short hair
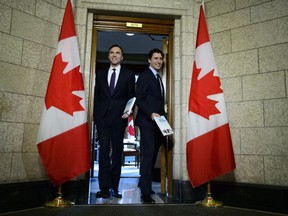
x: 150, y: 102
x: 114, y: 87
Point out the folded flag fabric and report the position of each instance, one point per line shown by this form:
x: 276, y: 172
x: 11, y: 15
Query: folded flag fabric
x: 209, y: 148
x: 63, y: 142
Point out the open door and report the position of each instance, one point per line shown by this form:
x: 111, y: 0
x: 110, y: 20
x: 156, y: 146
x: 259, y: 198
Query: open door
x: 150, y: 33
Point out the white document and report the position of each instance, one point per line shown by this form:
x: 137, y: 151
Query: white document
x: 129, y: 106
x: 163, y: 125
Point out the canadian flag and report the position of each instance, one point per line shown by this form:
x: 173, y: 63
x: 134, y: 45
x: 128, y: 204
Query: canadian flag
x: 62, y: 141
x: 209, y: 148
x: 131, y: 129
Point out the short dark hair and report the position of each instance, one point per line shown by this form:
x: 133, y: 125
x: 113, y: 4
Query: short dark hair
x: 155, y: 50
x: 116, y: 45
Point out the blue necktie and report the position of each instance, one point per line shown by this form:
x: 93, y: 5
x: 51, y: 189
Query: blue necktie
x: 112, y: 81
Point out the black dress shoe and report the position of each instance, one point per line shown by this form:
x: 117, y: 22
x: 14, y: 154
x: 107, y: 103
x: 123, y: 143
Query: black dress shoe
x: 115, y: 193
x: 103, y: 194
x: 146, y: 199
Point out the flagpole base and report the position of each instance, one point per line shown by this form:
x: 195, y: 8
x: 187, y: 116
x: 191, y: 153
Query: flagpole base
x: 59, y: 202
x: 209, y: 202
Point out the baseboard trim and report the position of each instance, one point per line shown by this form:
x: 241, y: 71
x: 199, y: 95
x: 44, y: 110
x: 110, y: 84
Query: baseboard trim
x: 25, y: 195
x: 242, y: 195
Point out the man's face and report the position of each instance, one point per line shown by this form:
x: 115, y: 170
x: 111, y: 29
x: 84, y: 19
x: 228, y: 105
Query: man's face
x: 115, y: 56
x: 156, y: 61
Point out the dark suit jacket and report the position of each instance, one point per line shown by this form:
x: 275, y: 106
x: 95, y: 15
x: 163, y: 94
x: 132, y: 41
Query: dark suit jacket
x: 105, y: 102
x: 148, y: 99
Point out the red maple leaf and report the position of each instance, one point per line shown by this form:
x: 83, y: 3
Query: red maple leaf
x: 199, y: 102
x: 131, y: 130
x: 60, y: 87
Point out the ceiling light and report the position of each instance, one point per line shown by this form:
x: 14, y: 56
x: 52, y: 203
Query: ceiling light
x: 130, y: 34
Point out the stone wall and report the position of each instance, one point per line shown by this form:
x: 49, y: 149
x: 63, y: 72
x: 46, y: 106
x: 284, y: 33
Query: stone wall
x: 29, y: 31
x: 249, y: 40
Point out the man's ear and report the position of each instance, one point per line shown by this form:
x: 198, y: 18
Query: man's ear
x: 149, y: 61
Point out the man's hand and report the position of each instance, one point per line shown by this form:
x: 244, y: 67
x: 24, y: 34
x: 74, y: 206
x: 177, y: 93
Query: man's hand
x: 153, y: 115
x: 124, y: 116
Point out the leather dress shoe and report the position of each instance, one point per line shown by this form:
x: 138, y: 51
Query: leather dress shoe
x: 103, y: 194
x: 146, y: 199
x: 115, y: 193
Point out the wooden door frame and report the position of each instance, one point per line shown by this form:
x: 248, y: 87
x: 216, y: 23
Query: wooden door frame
x: 139, y: 25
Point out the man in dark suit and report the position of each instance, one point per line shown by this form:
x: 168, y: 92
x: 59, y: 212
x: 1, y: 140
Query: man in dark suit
x: 150, y: 102
x: 114, y: 87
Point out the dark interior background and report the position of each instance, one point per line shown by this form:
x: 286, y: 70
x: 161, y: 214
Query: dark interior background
x: 136, y: 48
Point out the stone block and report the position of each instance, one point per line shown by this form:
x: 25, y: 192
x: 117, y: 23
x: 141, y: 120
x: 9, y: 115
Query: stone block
x: 248, y: 3
x: 34, y: 29
x: 5, y: 18
x: 263, y: 86
x: 260, y: 34
x: 236, y: 140
x: 38, y: 56
x: 186, y: 67
x: 286, y: 75
x: 221, y: 42
x: 249, y: 169
x: 232, y: 88
x: 30, y: 138
x: 187, y: 43
x: 264, y: 141
x: 245, y: 114
x: 177, y: 168
x: 49, y: 12
x: 11, y: 137
x: 187, y: 24
x: 33, y: 160
x: 11, y: 49
x: 276, y: 170
x: 273, y: 58
x: 237, y: 64
x: 269, y: 11
x: 276, y: 112
x: 229, y: 21
x: 218, y: 7
x: 21, y: 108
x: 26, y: 6
x: 17, y: 79
x: 18, y: 172
x: 5, y: 166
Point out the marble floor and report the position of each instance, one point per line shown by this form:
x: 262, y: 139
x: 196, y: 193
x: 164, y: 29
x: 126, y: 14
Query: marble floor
x: 127, y: 187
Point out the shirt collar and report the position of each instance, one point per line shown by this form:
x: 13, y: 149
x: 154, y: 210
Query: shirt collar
x: 153, y: 71
x: 118, y: 67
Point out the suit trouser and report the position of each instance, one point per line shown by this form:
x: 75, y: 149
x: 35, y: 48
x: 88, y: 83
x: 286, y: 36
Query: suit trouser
x: 151, y: 140
x: 110, y: 162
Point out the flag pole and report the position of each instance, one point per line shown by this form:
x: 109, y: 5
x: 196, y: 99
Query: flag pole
x: 59, y: 201
x: 209, y: 201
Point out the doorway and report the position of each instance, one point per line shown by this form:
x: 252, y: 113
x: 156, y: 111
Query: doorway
x: 137, y: 36
x: 136, y: 46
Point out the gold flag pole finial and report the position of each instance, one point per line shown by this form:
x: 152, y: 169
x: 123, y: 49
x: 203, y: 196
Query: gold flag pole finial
x: 59, y: 201
x: 209, y: 201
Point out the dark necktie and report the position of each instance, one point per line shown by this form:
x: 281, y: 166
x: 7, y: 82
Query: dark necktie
x: 112, y: 81
x: 161, y: 84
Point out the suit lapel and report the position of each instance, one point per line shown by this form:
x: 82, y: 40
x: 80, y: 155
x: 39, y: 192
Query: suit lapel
x: 105, y: 80
x: 156, y: 82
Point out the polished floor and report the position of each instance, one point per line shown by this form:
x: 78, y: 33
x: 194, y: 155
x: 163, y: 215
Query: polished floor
x: 128, y: 187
